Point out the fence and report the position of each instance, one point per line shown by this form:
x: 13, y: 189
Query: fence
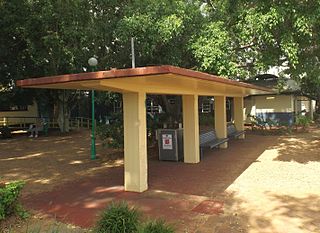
x: 24, y: 122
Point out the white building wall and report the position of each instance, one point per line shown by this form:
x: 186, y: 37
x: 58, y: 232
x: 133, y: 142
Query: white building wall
x: 268, y: 104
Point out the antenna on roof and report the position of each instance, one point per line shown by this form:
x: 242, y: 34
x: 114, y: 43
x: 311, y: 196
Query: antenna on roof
x: 132, y: 53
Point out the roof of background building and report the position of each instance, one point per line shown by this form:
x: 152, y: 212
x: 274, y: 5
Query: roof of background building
x: 280, y: 85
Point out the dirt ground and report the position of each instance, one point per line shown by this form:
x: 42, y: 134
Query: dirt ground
x: 260, y: 184
x: 46, y: 162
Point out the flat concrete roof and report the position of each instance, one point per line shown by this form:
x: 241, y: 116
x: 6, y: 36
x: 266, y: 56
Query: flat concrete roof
x: 164, y: 79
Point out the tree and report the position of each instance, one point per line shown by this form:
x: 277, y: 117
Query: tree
x: 14, y: 56
x: 162, y: 30
x: 248, y: 37
x: 45, y: 38
x: 234, y: 38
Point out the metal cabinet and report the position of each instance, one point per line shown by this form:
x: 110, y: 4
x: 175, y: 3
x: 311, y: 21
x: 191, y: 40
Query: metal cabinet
x: 170, y: 142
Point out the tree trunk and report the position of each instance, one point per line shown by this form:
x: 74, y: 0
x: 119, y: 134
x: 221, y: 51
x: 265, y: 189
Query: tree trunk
x: 63, y: 113
x: 173, y: 110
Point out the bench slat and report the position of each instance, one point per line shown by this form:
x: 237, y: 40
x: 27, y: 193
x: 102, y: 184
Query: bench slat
x: 233, y: 132
x: 210, y: 140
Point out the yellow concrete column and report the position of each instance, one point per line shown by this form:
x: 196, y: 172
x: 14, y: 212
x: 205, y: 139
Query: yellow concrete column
x: 220, y: 118
x: 135, y: 142
x: 238, y: 114
x: 311, y: 110
x: 191, y: 129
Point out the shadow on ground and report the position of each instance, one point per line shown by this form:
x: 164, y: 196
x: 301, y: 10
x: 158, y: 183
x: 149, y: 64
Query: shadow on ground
x: 182, y: 194
x: 175, y: 189
x: 304, y: 211
x: 45, y: 162
x: 218, y: 169
x: 285, y: 213
x: 301, y: 148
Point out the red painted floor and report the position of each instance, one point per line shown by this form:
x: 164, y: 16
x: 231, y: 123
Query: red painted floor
x: 183, y: 194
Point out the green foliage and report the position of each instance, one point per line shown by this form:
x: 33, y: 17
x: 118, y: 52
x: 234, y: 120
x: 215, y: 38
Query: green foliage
x: 9, y: 194
x: 159, y: 26
x: 212, y: 48
x: 112, y: 134
x: 44, y: 38
x: 303, y: 121
x: 157, y: 226
x: 234, y: 38
x: 107, y: 98
x: 118, y: 218
x: 206, y: 119
x: 271, y: 123
x: 310, y: 82
x: 257, y: 122
x: 248, y: 37
x: 21, y: 212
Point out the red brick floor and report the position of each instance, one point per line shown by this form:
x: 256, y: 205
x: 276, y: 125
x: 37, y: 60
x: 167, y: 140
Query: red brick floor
x: 183, y: 194
x: 210, y: 207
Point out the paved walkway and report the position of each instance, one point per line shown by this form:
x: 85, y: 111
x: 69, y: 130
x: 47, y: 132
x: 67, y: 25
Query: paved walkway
x: 260, y: 184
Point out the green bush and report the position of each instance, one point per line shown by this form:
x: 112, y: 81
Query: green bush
x: 118, y: 218
x: 158, y: 226
x: 112, y: 134
x: 271, y: 123
x: 303, y: 121
x: 9, y: 194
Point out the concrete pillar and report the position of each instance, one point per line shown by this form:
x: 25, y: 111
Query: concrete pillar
x: 238, y: 114
x: 220, y: 118
x: 191, y: 129
x: 135, y: 142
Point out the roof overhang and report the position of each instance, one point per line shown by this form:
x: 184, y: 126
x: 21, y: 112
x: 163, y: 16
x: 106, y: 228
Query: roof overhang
x: 152, y: 80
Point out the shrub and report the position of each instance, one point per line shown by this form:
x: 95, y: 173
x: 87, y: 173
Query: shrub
x: 9, y: 194
x: 271, y: 123
x: 158, y: 226
x: 118, y: 218
x: 303, y: 121
x: 112, y: 134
